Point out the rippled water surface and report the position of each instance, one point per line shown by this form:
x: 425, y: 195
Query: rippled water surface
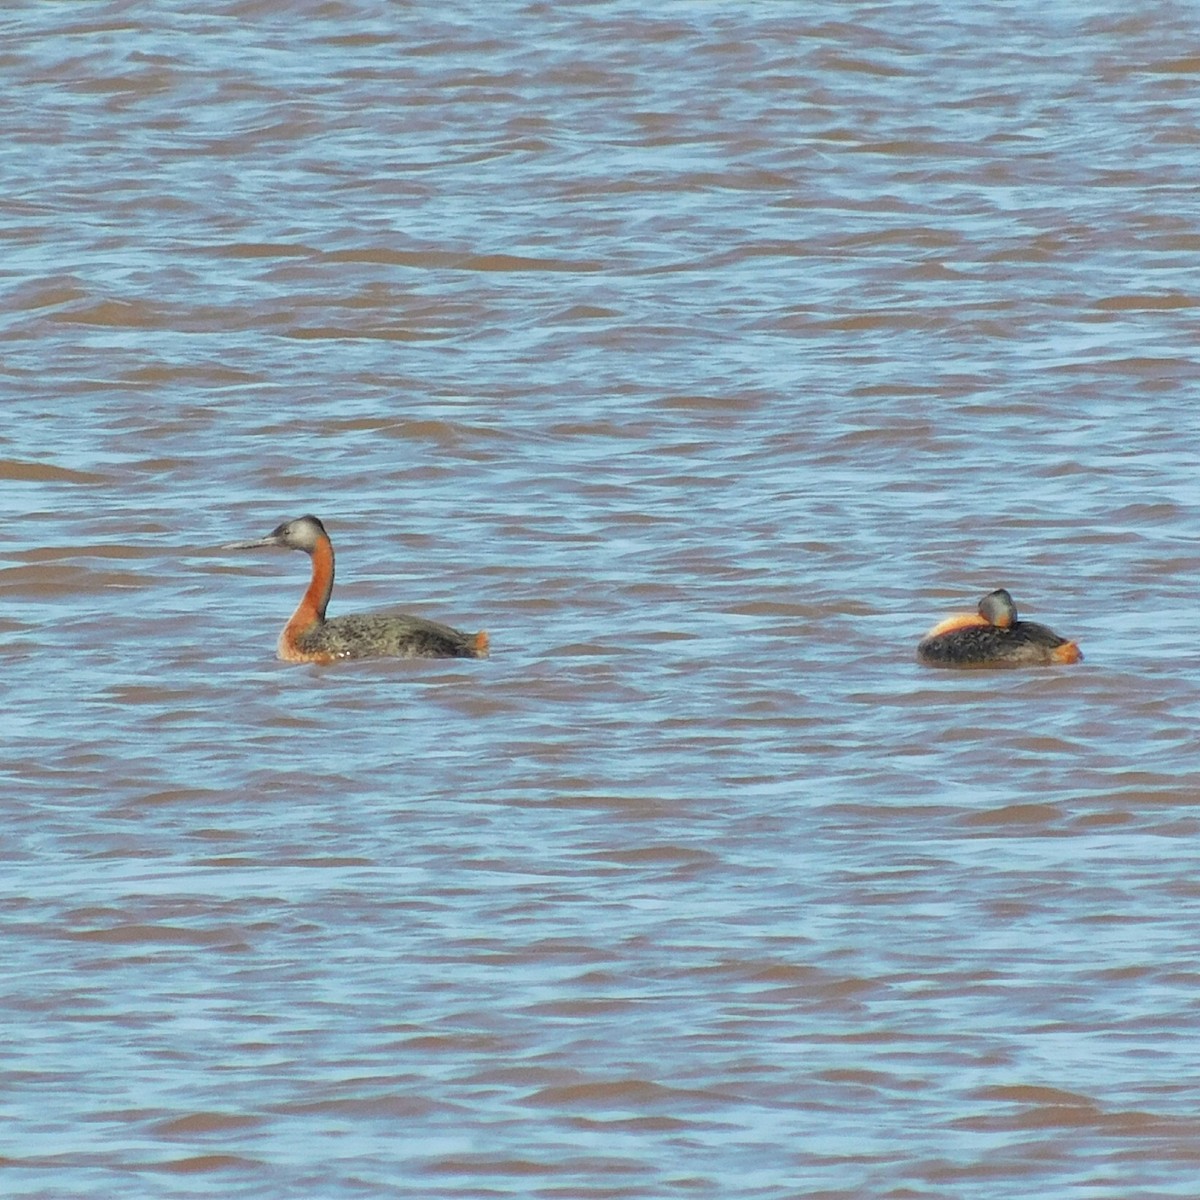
x: 705, y: 354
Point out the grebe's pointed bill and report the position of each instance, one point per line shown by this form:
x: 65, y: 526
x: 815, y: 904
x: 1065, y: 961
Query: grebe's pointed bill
x: 304, y: 533
x: 254, y: 544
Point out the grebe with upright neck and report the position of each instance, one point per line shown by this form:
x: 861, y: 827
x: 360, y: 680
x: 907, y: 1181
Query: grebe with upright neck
x: 309, y: 637
x: 993, y: 637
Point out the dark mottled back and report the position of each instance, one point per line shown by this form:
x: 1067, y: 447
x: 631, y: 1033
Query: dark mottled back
x: 386, y: 635
x: 1024, y: 644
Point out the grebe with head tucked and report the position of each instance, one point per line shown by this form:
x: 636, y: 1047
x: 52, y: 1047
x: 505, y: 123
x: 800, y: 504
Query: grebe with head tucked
x: 993, y: 637
x: 309, y: 637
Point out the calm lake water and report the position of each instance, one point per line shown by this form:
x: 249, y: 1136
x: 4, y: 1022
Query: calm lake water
x: 705, y: 354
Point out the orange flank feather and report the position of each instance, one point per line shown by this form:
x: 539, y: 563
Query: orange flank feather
x: 958, y: 621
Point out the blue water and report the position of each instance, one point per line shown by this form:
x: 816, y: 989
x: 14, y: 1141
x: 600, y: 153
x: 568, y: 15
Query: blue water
x: 706, y: 358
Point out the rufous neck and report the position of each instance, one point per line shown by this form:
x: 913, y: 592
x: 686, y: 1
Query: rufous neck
x: 320, y: 587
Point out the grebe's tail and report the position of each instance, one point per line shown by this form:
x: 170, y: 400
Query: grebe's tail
x: 1068, y: 652
x: 480, y: 643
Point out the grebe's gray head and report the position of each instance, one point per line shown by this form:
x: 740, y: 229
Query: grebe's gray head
x: 997, y: 608
x: 301, y: 534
